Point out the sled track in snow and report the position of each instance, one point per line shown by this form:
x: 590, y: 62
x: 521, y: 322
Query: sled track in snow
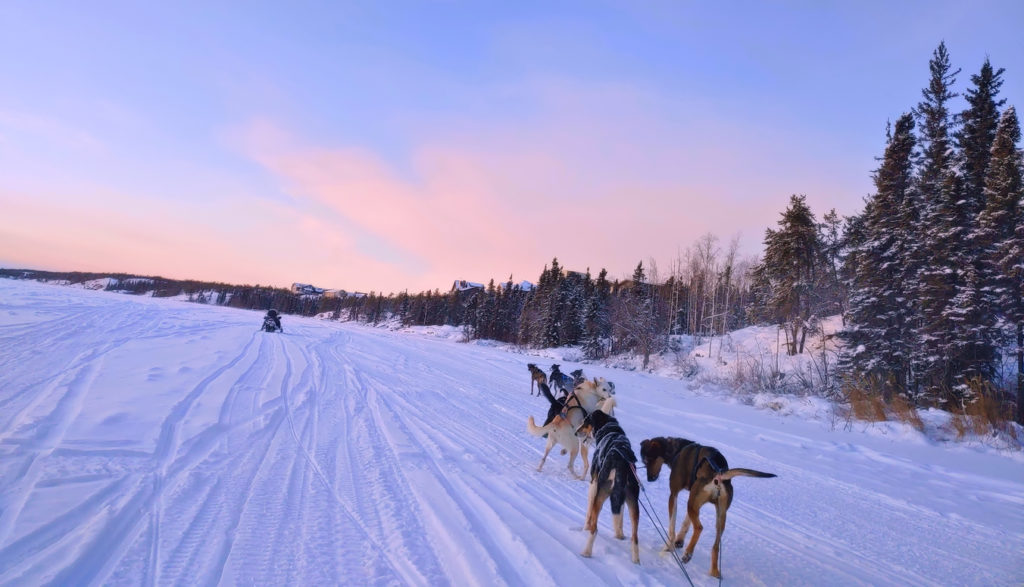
x: 152, y: 442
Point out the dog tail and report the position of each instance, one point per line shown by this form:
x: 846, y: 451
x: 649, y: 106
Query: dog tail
x: 725, y: 476
x: 547, y: 393
x: 534, y: 429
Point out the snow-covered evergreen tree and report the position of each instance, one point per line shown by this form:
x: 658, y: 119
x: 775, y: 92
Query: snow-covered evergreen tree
x: 598, y: 320
x: 830, y: 233
x: 879, y: 338
x: 633, y: 320
x: 788, y: 276
x: 1002, y: 226
x: 968, y: 341
x: 977, y: 131
x: 944, y: 224
x: 552, y: 311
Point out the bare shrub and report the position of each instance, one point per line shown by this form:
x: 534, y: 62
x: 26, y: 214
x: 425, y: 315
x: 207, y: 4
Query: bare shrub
x: 759, y: 375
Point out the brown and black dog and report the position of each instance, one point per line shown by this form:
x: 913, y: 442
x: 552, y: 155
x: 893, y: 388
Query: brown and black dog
x: 536, y: 376
x: 702, y: 471
x: 612, y: 474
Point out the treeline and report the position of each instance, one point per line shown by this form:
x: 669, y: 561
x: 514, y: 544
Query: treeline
x: 252, y: 297
x: 930, y: 276
x: 705, y: 294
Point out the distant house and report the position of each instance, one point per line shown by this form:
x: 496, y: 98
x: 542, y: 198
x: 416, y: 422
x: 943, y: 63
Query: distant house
x: 304, y: 289
x: 579, y: 274
x: 335, y: 293
x: 522, y: 285
x: 461, y: 285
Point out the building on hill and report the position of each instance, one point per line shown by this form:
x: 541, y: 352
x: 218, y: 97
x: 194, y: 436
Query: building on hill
x: 578, y: 274
x: 522, y: 285
x: 461, y: 285
x: 306, y: 289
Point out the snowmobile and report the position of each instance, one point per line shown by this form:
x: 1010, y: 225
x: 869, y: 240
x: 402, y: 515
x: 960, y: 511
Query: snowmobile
x: 272, y: 322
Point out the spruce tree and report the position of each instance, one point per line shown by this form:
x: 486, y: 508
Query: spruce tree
x: 943, y: 228
x: 977, y: 131
x: 552, y: 311
x: 1002, y: 223
x: 598, y: 322
x: 787, y: 278
x: 830, y: 233
x: 967, y: 336
x: 878, y: 337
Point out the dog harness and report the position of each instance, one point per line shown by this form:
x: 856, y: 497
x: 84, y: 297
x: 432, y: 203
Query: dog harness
x: 564, y: 414
x: 697, y: 463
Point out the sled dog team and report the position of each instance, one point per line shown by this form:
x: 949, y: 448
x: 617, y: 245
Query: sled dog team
x: 584, y: 414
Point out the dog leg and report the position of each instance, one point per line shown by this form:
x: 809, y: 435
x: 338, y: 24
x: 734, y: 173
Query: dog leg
x: 551, y: 444
x: 692, y: 516
x: 634, y: 515
x: 617, y: 525
x: 591, y: 496
x: 586, y: 464
x: 673, y: 498
x: 572, y: 461
x: 719, y: 528
x: 596, y: 510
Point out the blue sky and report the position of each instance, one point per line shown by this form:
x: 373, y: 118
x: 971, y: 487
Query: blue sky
x: 386, y: 145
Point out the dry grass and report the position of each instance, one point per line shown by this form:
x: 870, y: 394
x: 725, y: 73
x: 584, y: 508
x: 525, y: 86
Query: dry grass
x: 986, y: 413
x: 865, y: 405
x: 905, y: 412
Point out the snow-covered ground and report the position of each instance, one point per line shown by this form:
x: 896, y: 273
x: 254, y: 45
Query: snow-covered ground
x: 150, y: 441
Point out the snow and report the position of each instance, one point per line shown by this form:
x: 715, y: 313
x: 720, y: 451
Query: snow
x: 147, y: 440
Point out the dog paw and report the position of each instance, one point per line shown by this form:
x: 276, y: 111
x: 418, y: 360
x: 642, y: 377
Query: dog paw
x: 687, y: 556
x: 716, y: 573
x: 679, y: 543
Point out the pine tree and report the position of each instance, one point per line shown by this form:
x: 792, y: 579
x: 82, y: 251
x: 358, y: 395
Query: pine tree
x: 830, y: 233
x: 977, y: 132
x: 878, y: 337
x: 598, y: 322
x: 943, y: 229
x: 975, y: 139
x: 788, y: 277
x: 1002, y: 224
x: 633, y: 321
x: 968, y: 341
x: 551, y: 312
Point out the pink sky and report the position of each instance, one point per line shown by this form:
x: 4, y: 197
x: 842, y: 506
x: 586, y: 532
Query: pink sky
x: 357, y: 149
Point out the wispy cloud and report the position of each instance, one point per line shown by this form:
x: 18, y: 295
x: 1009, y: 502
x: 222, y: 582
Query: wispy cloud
x: 600, y: 177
